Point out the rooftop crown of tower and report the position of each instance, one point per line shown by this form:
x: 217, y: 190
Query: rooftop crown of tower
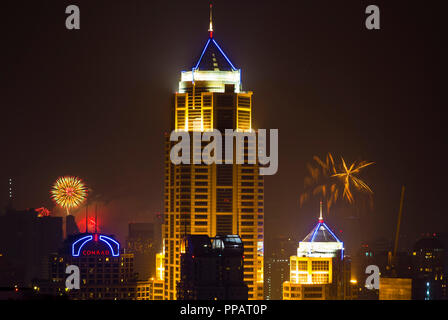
x: 212, y: 66
x: 320, y: 242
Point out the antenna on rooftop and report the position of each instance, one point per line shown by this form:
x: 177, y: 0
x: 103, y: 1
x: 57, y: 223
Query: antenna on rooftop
x: 210, y: 29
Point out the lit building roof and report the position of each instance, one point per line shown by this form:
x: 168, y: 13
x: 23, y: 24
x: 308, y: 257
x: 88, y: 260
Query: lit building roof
x: 213, y: 66
x: 321, y: 233
x: 213, y: 58
x: 320, y: 242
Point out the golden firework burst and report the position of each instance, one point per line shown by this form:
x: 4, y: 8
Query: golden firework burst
x: 348, y: 178
x: 331, y: 181
x: 69, y: 192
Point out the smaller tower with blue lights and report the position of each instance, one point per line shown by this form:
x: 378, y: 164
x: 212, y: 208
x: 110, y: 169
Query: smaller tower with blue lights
x: 320, y: 271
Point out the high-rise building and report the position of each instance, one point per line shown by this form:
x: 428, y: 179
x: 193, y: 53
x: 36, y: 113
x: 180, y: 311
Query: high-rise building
x: 216, y: 199
x: 103, y: 268
x: 140, y: 242
x: 276, y: 265
x: 320, y: 271
x: 106, y: 272
x: 212, y: 269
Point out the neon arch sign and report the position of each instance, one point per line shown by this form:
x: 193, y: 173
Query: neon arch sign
x: 79, y: 244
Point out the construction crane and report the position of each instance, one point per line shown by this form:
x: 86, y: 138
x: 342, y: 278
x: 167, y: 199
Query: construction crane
x: 400, y: 211
x: 392, y: 257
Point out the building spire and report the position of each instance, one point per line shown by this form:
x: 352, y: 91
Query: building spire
x: 210, y: 29
x: 321, y: 219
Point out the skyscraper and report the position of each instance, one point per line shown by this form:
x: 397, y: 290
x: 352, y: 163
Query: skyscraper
x: 216, y: 199
x: 276, y: 265
x: 320, y: 271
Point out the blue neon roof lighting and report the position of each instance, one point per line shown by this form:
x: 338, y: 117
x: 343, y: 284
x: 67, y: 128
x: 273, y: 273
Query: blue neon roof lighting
x: 321, y: 233
x: 228, y: 60
x: 86, y: 239
x: 213, y: 58
x: 315, y: 231
x: 81, y: 242
x: 202, y: 54
x: 107, y: 240
x: 329, y: 230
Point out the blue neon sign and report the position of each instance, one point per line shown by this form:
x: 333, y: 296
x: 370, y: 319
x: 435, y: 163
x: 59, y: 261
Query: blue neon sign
x: 112, y: 244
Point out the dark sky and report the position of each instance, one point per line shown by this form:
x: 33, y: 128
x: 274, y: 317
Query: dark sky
x: 95, y: 102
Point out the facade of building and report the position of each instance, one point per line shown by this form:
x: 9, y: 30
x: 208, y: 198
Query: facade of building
x: 212, y: 269
x: 279, y: 249
x: 216, y: 199
x: 395, y: 289
x: 276, y: 273
x: 149, y: 290
x: 320, y: 271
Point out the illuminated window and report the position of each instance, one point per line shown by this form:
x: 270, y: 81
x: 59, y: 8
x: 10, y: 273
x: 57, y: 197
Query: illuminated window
x: 320, y: 266
x: 303, y: 265
x: 303, y: 278
x: 319, y: 278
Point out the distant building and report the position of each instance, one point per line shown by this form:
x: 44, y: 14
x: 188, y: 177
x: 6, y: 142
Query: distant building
x: 320, y: 271
x: 212, y: 269
x: 429, y: 280
x: 140, y: 242
x: 71, y: 227
x: 26, y: 240
x: 443, y: 237
x: 366, y: 256
x: 158, y: 282
x: 381, y: 256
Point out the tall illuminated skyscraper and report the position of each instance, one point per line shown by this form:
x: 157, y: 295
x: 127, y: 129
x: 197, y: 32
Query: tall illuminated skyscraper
x: 217, y: 199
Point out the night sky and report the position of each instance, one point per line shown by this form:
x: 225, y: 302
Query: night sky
x: 95, y: 102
